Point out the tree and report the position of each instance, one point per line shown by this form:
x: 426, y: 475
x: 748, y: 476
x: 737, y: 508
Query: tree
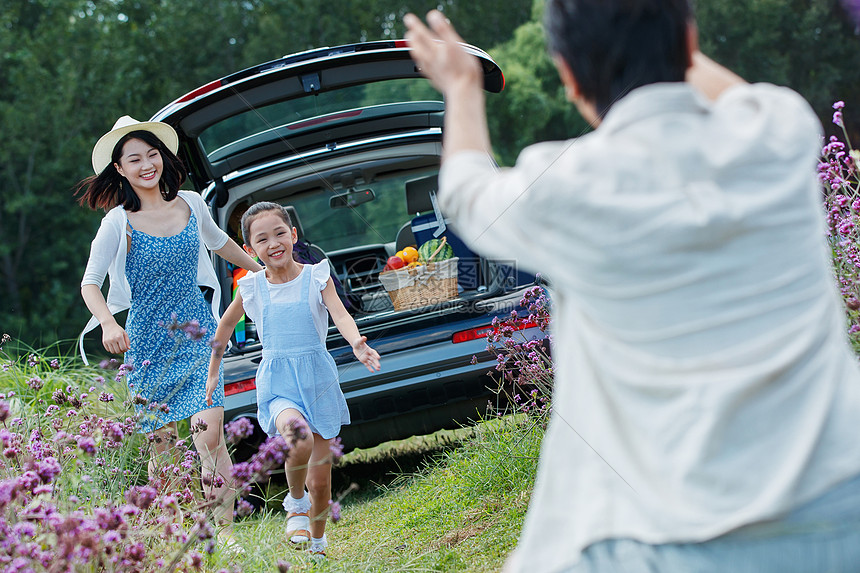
x: 811, y: 46
x: 287, y: 27
x: 533, y: 106
x: 69, y: 69
x: 49, y: 92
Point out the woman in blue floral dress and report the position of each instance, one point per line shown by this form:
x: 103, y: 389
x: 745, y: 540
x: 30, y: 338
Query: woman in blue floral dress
x: 154, y: 248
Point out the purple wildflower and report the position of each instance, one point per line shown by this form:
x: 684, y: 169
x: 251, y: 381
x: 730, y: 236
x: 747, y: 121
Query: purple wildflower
x: 135, y: 552
x: 193, y: 330
x: 29, y: 480
x: 111, y: 537
x: 238, y: 430
x: 87, y: 444
x: 195, y: 560
x: 48, y: 469
x: 243, y: 508
x: 141, y: 496
x: 298, y: 431
x: 336, y: 448
x: 24, y: 529
x: 334, y: 509
x: 837, y: 118
x: 199, y: 425
x: 114, y: 431
x: 7, y: 437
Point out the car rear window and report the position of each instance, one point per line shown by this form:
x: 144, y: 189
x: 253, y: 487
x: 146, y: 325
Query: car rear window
x: 377, y: 221
x: 321, y: 108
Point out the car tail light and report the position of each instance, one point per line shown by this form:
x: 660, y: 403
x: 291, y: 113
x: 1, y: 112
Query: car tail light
x: 241, y: 386
x: 200, y: 91
x: 484, y: 331
x: 401, y: 43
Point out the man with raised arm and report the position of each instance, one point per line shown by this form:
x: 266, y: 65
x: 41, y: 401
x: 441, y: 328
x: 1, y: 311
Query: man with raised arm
x: 706, y: 399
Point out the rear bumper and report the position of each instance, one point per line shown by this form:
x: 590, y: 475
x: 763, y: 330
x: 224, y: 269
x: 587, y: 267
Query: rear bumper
x: 419, y: 390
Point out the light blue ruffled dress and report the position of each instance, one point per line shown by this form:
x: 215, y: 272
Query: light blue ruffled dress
x: 170, y: 368
x: 296, y: 370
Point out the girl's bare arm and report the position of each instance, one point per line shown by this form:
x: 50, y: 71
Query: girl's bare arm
x: 348, y: 329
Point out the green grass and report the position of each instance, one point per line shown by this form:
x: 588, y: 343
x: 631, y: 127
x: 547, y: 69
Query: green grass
x: 461, y: 511
x: 452, y: 501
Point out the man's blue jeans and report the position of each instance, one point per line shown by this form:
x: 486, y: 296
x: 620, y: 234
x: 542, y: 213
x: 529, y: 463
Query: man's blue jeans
x: 822, y: 536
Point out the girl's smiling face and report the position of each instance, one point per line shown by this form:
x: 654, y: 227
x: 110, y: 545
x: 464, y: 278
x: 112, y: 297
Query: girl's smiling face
x: 141, y: 164
x: 271, y: 239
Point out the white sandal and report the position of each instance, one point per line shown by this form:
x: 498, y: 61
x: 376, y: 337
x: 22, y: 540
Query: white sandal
x: 298, y: 527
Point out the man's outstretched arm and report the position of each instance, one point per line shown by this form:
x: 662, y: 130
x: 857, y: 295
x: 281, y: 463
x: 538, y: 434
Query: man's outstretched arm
x: 457, y: 75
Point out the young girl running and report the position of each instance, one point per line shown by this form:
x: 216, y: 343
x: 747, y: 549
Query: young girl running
x: 297, y: 383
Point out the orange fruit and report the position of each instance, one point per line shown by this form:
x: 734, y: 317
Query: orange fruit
x: 410, y: 255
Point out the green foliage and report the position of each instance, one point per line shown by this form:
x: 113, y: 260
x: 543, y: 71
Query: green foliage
x: 305, y: 24
x: 45, y: 107
x: 533, y: 101
x: 461, y: 512
x: 74, y: 470
x: 35, y: 383
x: 811, y: 46
x: 69, y: 68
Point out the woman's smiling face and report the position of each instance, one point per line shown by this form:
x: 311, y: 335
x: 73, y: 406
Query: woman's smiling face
x: 141, y: 164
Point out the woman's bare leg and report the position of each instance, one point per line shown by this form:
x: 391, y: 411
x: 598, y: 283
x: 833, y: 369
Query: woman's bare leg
x: 217, y: 465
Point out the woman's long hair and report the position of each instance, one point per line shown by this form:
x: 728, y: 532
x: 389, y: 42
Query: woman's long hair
x: 109, y: 189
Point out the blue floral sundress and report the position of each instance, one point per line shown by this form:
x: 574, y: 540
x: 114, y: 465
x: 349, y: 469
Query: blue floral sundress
x: 170, y: 365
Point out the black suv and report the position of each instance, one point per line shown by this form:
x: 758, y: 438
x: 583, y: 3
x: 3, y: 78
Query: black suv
x: 350, y: 138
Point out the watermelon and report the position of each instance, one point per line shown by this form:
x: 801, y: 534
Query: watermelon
x: 425, y: 250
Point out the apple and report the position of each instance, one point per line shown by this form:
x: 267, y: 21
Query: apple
x: 394, y: 262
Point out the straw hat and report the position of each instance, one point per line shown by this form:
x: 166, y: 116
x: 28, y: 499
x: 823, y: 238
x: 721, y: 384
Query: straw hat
x: 104, y: 146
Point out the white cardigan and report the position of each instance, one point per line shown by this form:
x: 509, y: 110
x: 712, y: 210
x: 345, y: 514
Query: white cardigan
x: 110, y: 246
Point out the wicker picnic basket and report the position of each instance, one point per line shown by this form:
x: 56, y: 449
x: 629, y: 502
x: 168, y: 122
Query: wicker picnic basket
x: 423, y: 285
